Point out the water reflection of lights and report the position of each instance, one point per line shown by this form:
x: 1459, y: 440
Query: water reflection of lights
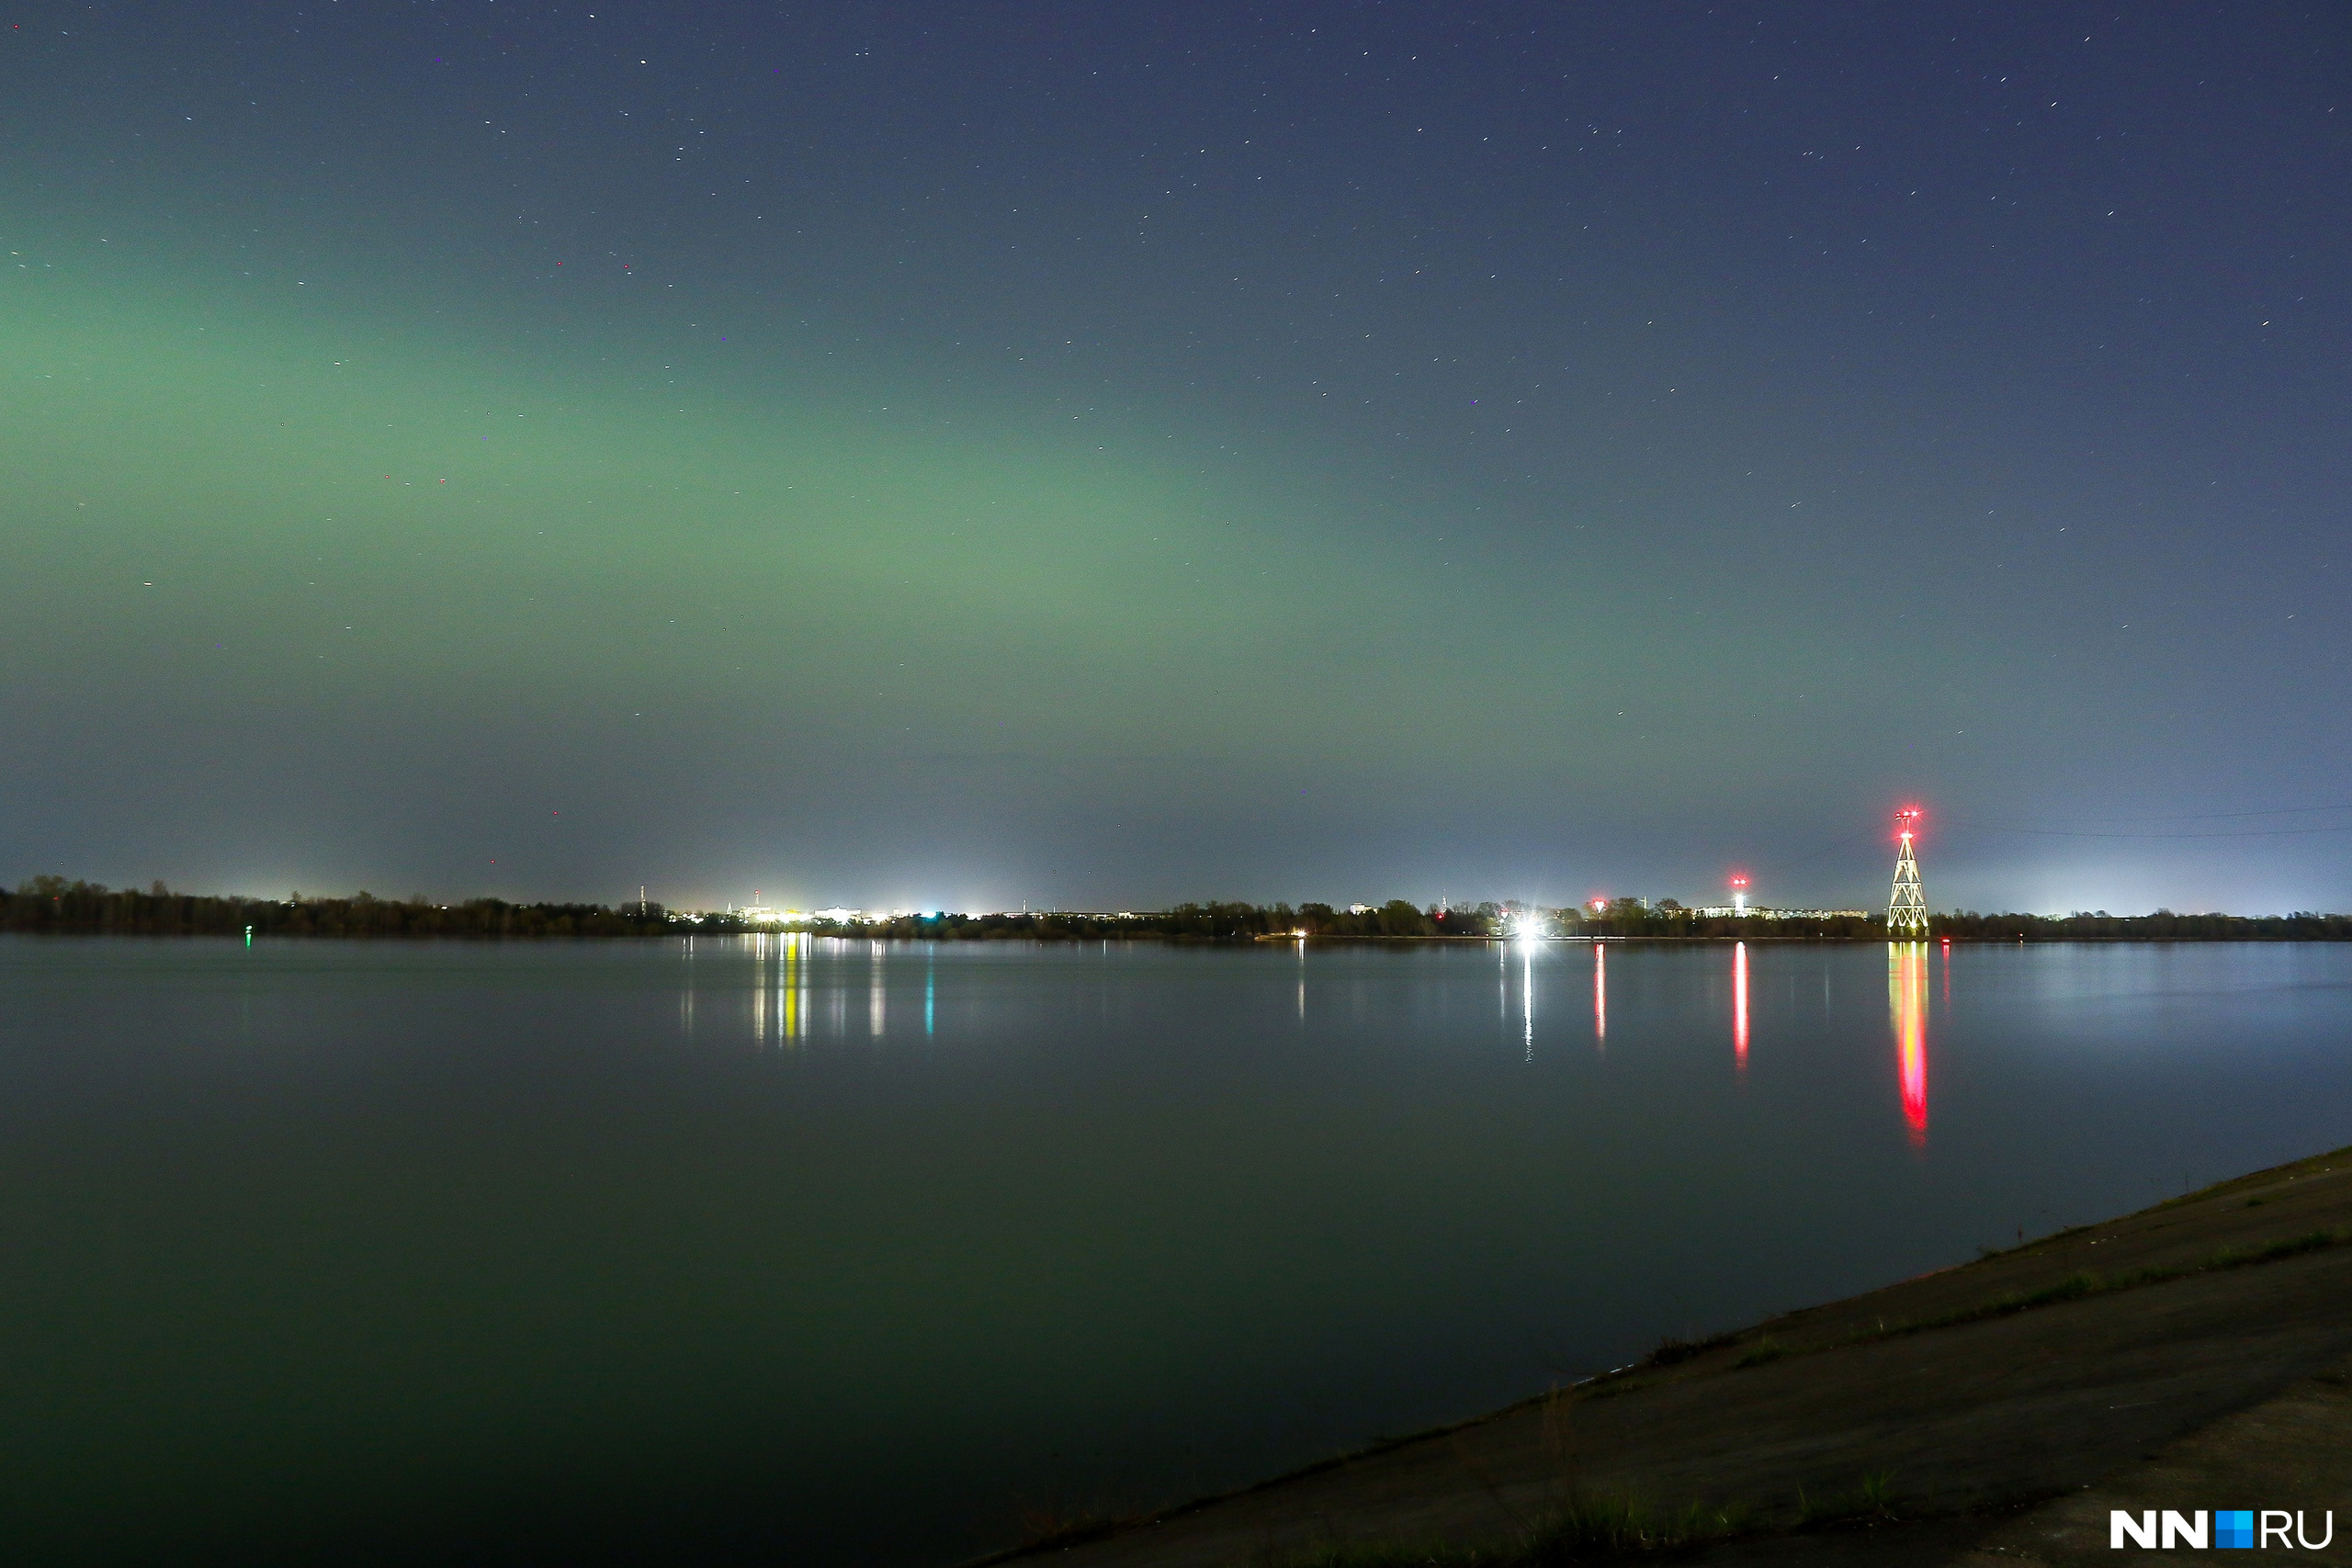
x: 1907, y: 998
x: 790, y: 984
x: 1739, y: 1004
x: 775, y: 979
x: 875, y: 994
x: 1302, y: 976
x: 1600, y: 996
x: 1527, y: 995
x: 759, y: 989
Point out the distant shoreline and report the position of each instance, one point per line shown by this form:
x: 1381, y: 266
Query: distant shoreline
x: 51, y: 904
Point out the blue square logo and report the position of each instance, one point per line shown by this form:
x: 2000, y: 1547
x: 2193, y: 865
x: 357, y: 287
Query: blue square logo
x: 2234, y: 1527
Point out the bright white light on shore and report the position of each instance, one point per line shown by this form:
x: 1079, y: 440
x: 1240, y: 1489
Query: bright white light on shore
x: 1527, y: 928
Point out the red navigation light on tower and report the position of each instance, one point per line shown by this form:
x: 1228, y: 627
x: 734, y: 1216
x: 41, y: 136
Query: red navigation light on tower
x: 1738, y: 894
x: 1906, y: 906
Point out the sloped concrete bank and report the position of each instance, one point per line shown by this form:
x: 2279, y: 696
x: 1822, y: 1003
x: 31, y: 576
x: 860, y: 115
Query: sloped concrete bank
x: 2195, y: 1355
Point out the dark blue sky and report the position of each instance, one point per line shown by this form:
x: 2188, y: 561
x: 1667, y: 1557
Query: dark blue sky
x: 956, y: 454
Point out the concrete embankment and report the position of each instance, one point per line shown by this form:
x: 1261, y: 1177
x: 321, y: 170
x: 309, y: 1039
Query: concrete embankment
x: 2197, y: 1355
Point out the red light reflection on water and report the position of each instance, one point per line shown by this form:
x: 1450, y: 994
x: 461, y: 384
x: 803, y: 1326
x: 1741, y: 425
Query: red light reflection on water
x: 1599, y: 994
x: 1739, y: 1004
x: 1907, y: 1000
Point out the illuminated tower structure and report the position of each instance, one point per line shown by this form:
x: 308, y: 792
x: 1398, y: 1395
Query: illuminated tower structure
x: 1739, y: 895
x: 1906, y: 906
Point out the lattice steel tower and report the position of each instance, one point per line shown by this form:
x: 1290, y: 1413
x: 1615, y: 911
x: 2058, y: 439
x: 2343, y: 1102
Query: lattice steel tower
x: 1906, y: 907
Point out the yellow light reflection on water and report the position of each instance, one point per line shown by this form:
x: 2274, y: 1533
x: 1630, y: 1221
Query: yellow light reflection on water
x: 788, y: 986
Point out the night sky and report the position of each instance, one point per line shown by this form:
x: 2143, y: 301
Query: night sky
x: 960, y: 454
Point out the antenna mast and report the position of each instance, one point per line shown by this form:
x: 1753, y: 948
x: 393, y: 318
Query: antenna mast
x: 1906, y: 906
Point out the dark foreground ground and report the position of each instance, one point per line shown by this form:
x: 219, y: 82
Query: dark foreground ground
x: 2194, y: 1356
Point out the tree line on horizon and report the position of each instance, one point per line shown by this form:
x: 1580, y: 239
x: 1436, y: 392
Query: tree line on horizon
x: 52, y: 904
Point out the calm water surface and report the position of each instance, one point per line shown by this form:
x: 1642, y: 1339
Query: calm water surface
x: 854, y: 1253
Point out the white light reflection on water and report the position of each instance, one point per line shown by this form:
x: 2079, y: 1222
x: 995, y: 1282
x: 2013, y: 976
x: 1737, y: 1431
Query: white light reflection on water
x: 1527, y: 994
x: 759, y: 990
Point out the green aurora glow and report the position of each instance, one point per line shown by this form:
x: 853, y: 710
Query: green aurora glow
x: 271, y: 533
